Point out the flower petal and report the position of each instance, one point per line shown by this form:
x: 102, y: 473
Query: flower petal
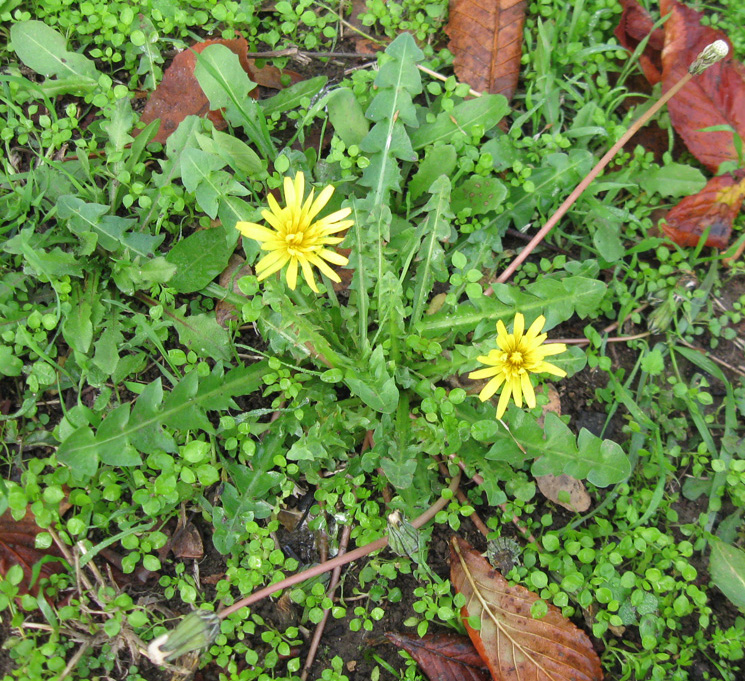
x: 518, y: 327
x: 548, y: 368
x: 333, y: 256
x: 308, y: 274
x: 528, y: 391
x: 320, y: 202
x: 517, y: 392
x: 484, y: 373
x: 504, y: 399
x: 292, y: 274
x: 536, y: 327
x: 255, y: 231
x: 490, y: 388
x: 553, y: 349
x: 321, y: 265
x: 271, y: 268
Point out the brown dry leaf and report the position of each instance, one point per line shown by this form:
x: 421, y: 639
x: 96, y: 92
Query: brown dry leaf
x: 715, y: 206
x: 552, y: 486
x: 514, y: 645
x: 486, y: 39
x: 187, y: 542
x: 237, y: 268
x: 17, y: 547
x: 444, y: 657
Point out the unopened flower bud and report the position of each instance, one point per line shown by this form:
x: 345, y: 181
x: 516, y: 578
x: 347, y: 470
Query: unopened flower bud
x: 711, y: 54
x: 195, y: 631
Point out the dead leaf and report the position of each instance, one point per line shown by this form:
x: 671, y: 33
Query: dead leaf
x: 552, y: 486
x: 716, y: 97
x: 18, y: 547
x: 635, y: 25
x: 486, y: 39
x: 187, y: 542
x: 715, y: 206
x: 514, y: 645
x: 179, y: 95
x: 444, y: 657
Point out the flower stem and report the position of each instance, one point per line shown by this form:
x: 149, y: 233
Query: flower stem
x: 343, y: 559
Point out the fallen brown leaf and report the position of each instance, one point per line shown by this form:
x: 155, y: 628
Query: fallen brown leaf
x: 444, y: 657
x: 486, y: 40
x: 715, y: 207
x: 515, y: 645
x: 18, y: 547
x: 552, y: 486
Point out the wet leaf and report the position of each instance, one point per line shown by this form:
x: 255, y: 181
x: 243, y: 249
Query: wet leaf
x: 633, y: 27
x: 509, y: 639
x: 444, y: 657
x: 715, y: 207
x: 486, y: 40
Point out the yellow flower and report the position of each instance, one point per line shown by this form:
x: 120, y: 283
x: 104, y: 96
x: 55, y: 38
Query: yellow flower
x: 293, y: 236
x: 517, y: 356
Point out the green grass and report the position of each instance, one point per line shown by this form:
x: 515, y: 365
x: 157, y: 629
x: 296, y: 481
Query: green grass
x: 128, y: 399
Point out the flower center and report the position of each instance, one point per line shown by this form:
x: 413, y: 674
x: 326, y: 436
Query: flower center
x: 516, y: 359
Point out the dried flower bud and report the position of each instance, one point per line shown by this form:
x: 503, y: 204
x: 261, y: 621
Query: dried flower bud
x: 711, y: 54
x: 195, y: 631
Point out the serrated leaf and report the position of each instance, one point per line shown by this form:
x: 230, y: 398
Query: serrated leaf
x: 221, y: 76
x: 293, y: 96
x: 558, y: 298
x: 486, y: 112
x: 202, y: 334
x: 727, y: 568
x: 673, y: 179
x: 112, y: 232
x: 181, y: 409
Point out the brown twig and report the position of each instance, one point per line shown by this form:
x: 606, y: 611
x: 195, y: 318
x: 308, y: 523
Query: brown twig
x: 350, y: 557
x: 460, y: 494
x: 316, y: 640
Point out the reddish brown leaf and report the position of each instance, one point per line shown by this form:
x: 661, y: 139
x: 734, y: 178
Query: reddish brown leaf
x: 635, y: 25
x: 716, y: 97
x: 179, y: 95
x: 444, y: 657
x: 486, y: 40
x: 17, y: 547
x: 715, y: 206
x: 514, y: 645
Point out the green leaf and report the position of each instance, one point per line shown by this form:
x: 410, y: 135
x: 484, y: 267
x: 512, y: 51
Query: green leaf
x: 293, y: 96
x: 112, y: 232
x: 10, y: 365
x: 556, y: 297
x: 672, y: 179
x: 432, y: 231
x: 485, y: 111
x: 727, y: 569
x: 347, y: 117
x: 199, y: 258
x: 249, y: 498
x: 221, y: 76
x: 144, y: 429
x: 439, y: 160
x: 375, y: 387
x: 480, y: 194
x: 44, y: 50
x: 602, y: 462
x: 237, y: 153
x: 204, y: 335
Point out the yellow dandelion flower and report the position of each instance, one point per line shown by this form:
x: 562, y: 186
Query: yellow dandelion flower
x: 293, y: 237
x: 517, y: 356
